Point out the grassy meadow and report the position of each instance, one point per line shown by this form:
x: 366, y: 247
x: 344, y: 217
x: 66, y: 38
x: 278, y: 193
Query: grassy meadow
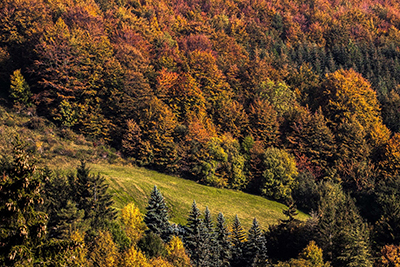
x: 61, y: 150
x: 132, y: 184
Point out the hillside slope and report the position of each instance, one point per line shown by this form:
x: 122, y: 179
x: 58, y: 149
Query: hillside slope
x: 132, y: 184
x: 62, y: 151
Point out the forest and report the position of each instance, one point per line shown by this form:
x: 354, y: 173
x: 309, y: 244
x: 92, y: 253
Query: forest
x: 294, y: 100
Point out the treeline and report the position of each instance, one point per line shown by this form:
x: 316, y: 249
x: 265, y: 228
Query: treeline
x: 271, y: 98
x: 50, y: 219
x: 222, y: 92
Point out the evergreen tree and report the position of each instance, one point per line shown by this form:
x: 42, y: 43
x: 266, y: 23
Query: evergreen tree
x: 212, y: 236
x: 57, y: 195
x: 238, y: 240
x: 90, y: 194
x: 223, y: 242
x: 343, y: 235
x: 197, y: 239
x: 157, y: 216
x: 22, y: 225
x: 387, y: 227
x: 208, y: 221
x: 256, y: 250
x: 69, y: 220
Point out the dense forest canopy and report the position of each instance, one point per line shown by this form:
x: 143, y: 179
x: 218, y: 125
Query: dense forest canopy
x: 284, y: 99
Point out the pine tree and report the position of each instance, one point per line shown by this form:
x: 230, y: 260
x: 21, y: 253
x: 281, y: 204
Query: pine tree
x: 208, y: 221
x: 197, y: 239
x: 256, y: 250
x: 91, y: 196
x: 57, y: 195
x: 354, y: 237
x: 238, y: 240
x: 69, y: 220
x: 157, y: 216
x: 212, y: 236
x: 22, y: 225
x: 343, y: 235
x: 223, y: 242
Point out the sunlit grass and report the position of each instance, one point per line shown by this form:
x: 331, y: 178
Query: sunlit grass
x: 132, y: 184
x: 129, y: 183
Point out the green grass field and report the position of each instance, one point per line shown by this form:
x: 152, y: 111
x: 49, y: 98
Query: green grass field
x: 62, y: 151
x: 132, y: 184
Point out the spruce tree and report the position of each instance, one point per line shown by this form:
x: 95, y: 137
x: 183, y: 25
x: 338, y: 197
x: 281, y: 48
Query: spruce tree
x: 343, y: 235
x: 238, y: 244
x: 157, y: 216
x: 197, y: 240
x: 90, y: 194
x: 223, y: 242
x: 353, y: 240
x: 256, y: 250
x: 22, y: 225
x: 213, y: 245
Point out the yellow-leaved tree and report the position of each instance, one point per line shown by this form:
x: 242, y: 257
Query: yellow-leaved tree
x: 132, y: 220
x: 347, y: 95
x: 176, y: 253
x: 391, y: 163
x: 77, y: 255
x: 134, y: 258
x: 311, y: 256
x: 160, y: 262
x: 19, y: 89
x: 104, y: 252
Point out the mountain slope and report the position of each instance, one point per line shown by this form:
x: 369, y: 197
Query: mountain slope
x: 132, y: 184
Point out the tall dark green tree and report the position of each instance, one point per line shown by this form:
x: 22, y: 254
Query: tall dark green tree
x: 157, y: 216
x: 238, y: 240
x: 212, y: 236
x: 223, y: 241
x: 22, y: 224
x: 342, y: 233
x: 387, y: 226
x: 90, y: 194
x: 197, y: 239
x: 256, y: 249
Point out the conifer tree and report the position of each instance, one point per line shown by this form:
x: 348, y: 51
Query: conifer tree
x: 197, y: 239
x: 209, y: 227
x: 58, y: 196
x: 343, y: 235
x: 69, y: 220
x: 208, y: 221
x: 157, y: 216
x: 90, y: 194
x: 22, y: 225
x: 238, y: 240
x: 223, y: 242
x: 256, y: 250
